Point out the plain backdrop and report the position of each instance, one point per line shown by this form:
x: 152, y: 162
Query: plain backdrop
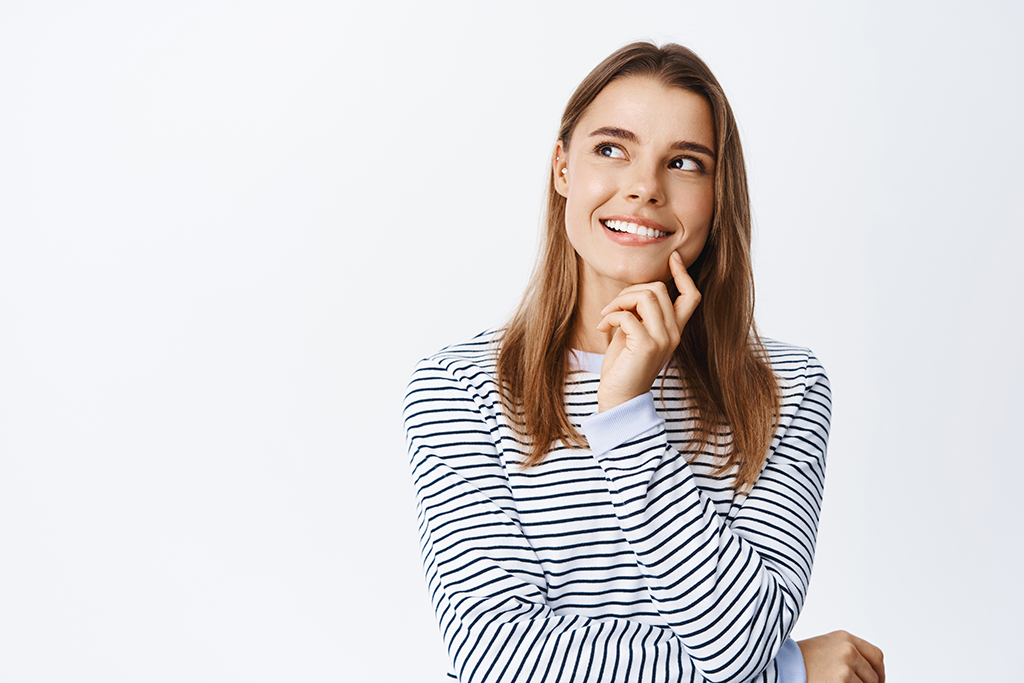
x: 229, y: 230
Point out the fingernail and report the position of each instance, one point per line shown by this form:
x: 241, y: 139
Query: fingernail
x: 676, y: 257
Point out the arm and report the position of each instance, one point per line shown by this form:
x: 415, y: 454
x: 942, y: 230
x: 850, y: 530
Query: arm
x: 485, y: 582
x: 731, y: 591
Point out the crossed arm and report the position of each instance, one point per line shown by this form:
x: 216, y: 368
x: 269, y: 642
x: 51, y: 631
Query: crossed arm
x: 728, y: 594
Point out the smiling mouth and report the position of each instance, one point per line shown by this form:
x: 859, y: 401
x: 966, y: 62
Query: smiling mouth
x: 633, y: 229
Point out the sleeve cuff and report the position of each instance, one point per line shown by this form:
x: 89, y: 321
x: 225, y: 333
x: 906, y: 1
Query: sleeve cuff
x: 790, y: 663
x: 612, y: 428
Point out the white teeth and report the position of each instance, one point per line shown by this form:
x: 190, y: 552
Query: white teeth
x: 633, y: 229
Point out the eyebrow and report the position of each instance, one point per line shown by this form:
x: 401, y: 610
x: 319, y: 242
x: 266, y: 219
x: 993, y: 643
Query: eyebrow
x: 630, y: 136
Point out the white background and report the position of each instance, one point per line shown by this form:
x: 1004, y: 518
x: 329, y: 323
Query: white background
x: 229, y: 229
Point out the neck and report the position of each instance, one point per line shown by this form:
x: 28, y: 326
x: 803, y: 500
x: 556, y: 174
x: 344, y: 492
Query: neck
x: 593, y: 297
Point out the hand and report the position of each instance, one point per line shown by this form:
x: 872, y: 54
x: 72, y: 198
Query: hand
x: 648, y: 326
x: 840, y: 657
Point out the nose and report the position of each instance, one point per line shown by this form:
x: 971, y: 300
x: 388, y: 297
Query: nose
x: 643, y: 184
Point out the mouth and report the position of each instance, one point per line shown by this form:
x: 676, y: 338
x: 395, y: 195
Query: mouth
x: 632, y: 228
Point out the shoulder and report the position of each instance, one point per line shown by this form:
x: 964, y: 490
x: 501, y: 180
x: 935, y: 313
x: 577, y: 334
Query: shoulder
x: 479, y: 354
x: 794, y: 365
x: 805, y: 396
x: 458, y: 369
x: 452, y: 407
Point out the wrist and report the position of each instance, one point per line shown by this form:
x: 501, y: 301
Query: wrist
x: 608, y: 400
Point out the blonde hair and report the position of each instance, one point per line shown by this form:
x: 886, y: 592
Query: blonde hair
x: 720, y: 356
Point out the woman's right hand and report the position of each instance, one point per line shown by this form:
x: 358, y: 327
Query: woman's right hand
x: 841, y: 657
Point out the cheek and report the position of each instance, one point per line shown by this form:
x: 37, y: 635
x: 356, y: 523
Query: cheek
x: 578, y: 232
x: 698, y: 219
x: 693, y: 246
x: 698, y: 211
x: 574, y: 230
x: 703, y: 206
x: 577, y: 222
x: 588, y: 191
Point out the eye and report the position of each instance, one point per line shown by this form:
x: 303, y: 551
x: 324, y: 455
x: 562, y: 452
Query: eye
x: 606, y: 149
x: 686, y: 164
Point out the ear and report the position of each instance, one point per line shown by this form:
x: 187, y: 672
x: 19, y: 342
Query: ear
x: 559, y: 166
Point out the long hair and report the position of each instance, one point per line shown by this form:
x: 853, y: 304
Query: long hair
x: 720, y: 357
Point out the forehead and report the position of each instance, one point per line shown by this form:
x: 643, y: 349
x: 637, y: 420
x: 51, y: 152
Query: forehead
x: 655, y: 112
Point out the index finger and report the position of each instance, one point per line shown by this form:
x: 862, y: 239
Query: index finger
x: 689, y: 296
x: 872, y: 654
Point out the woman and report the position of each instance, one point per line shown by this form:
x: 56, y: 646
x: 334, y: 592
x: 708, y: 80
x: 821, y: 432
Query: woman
x: 624, y: 483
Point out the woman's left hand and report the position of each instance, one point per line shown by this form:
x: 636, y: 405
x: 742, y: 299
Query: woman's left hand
x: 649, y: 326
x: 841, y: 657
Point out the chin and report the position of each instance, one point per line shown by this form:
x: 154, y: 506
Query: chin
x: 638, y: 276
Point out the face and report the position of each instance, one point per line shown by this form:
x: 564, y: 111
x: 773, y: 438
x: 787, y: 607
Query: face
x: 638, y: 182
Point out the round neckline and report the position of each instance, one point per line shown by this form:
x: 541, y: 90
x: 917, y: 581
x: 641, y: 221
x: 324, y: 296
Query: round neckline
x: 586, y: 361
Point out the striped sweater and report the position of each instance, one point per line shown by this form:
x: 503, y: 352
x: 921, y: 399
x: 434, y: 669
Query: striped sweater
x: 631, y: 561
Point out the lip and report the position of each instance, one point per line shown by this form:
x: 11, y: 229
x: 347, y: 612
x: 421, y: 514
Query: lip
x: 629, y: 239
x: 646, y: 222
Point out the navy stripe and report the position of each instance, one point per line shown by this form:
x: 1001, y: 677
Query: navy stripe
x: 641, y: 564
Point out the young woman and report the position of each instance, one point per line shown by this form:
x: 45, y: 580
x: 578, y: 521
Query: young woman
x: 623, y: 484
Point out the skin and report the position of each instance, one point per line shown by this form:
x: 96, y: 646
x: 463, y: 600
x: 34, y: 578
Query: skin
x: 841, y: 657
x: 642, y: 152
x: 635, y: 155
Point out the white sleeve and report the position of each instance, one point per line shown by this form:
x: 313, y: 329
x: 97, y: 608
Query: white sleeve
x: 715, y: 586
